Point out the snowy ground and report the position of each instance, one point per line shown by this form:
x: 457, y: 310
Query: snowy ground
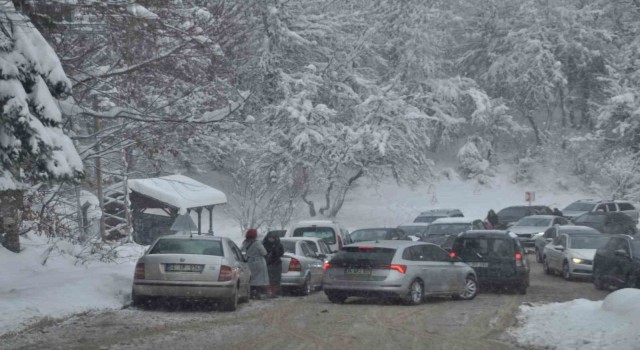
x: 583, y: 324
x: 30, y: 290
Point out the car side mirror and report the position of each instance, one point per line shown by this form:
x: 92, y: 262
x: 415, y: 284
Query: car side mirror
x: 621, y: 253
x: 321, y: 256
x: 559, y: 248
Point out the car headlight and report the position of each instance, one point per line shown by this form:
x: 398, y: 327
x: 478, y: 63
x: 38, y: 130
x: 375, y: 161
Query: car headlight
x: 577, y: 261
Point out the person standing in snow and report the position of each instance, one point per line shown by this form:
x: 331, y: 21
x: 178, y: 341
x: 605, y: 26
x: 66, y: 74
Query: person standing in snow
x: 255, y: 254
x: 492, y: 218
x: 557, y: 212
x: 274, y: 265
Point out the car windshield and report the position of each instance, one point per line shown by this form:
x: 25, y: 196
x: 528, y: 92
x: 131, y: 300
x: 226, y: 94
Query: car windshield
x: 368, y: 235
x: 413, y: 230
x: 363, y: 256
x: 187, y: 246
x: 289, y: 246
x: 427, y: 219
x: 577, y: 206
x: 587, y: 242
x: 446, y: 229
x: 326, y: 233
x: 482, y: 248
x: 536, y: 222
x: 522, y: 211
x: 596, y: 219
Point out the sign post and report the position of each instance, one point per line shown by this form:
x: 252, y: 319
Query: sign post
x: 529, y: 197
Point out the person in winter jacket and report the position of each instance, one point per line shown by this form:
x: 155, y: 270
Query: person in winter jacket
x: 255, y: 254
x: 557, y: 212
x: 275, y: 250
x: 492, y: 218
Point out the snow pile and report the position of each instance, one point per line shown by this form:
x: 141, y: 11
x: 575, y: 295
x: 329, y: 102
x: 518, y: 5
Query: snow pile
x: 583, y: 324
x: 179, y: 191
x: 61, y: 287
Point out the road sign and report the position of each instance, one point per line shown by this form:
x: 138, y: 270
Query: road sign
x: 529, y: 197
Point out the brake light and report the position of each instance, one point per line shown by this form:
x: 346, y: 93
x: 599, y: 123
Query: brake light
x: 326, y: 266
x: 139, y: 274
x: 226, y: 273
x: 365, y: 248
x: 294, y: 265
x: 339, y: 242
x: 400, y: 268
x: 519, y: 261
x: 452, y: 254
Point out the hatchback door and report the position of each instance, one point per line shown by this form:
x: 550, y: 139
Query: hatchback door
x: 363, y: 263
x: 490, y: 257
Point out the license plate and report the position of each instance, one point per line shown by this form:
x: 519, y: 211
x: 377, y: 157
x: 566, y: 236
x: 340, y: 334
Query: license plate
x: 478, y: 264
x: 358, y: 271
x: 183, y: 268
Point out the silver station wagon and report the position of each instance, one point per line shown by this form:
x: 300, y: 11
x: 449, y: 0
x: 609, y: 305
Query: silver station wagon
x: 403, y: 270
x: 192, y: 267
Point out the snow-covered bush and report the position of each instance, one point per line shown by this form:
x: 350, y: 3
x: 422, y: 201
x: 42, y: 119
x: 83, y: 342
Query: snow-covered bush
x: 473, y: 162
x: 524, y: 169
x: 621, y: 176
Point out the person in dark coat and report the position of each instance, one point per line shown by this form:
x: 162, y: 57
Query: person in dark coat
x: 557, y: 212
x: 256, y: 254
x: 492, y: 218
x: 275, y: 250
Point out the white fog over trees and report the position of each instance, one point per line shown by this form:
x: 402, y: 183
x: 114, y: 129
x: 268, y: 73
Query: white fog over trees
x: 299, y: 101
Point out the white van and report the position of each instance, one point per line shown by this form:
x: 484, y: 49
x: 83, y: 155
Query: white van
x: 331, y: 232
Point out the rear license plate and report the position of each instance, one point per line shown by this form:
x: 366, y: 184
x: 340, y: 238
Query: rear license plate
x: 478, y: 264
x: 357, y: 271
x: 183, y: 268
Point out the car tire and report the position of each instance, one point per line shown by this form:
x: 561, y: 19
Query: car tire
x: 470, y: 289
x: 230, y: 303
x: 415, y: 294
x: 522, y: 288
x: 139, y: 301
x: 247, y: 295
x: 336, y: 297
x: 545, y: 266
x: 306, y: 288
x: 538, y: 256
x: 598, y: 281
x: 566, y: 272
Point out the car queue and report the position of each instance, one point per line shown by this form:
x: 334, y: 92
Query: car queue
x: 442, y: 253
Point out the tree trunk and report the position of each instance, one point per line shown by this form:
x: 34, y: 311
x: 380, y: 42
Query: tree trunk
x: 312, y: 207
x: 327, y: 198
x: 10, y: 210
x: 534, y: 126
x: 337, y: 205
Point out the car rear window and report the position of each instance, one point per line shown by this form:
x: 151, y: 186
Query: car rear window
x: 536, y: 222
x: 579, y: 207
x: 289, y: 246
x: 482, y: 248
x: 187, y: 246
x: 368, y: 235
x: 363, y: 256
x: 626, y: 206
x: 413, y: 230
x: 446, y: 229
x: 326, y: 233
x: 428, y: 219
x: 596, y: 219
x: 312, y: 245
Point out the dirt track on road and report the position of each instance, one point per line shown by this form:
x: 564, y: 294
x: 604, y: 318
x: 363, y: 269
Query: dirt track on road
x: 307, y: 323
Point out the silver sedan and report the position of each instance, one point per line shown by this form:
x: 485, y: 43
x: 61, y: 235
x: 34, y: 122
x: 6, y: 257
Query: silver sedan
x: 302, y: 268
x: 406, y: 270
x: 192, y: 267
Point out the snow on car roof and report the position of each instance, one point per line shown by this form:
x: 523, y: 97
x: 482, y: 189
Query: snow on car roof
x: 179, y: 191
x: 453, y: 221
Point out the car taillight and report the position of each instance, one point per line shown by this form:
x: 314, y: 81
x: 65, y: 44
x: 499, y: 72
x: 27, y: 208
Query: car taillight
x: 326, y: 266
x: 452, y: 254
x: 519, y: 260
x: 226, y: 274
x: 294, y: 265
x: 339, y: 242
x: 139, y: 275
x: 400, y: 268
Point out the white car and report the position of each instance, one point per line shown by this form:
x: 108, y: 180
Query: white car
x: 414, y: 230
x: 317, y: 245
x: 332, y: 232
x: 571, y: 254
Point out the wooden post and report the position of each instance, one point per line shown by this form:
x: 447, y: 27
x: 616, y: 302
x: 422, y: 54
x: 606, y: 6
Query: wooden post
x: 210, y: 208
x: 199, y: 211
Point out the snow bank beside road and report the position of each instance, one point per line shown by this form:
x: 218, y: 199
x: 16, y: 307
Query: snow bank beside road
x: 30, y: 291
x: 582, y: 324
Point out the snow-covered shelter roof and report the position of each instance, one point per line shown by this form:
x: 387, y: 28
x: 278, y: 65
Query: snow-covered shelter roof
x: 178, y: 191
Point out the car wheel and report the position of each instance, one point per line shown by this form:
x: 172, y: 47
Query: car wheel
x: 336, y: 297
x: 306, y: 288
x: 247, y: 295
x: 230, y: 303
x: 545, y: 266
x: 470, y: 289
x: 538, y: 256
x: 598, y: 281
x: 522, y: 288
x: 415, y: 294
x: 139, y: 301
x: 566, y: 272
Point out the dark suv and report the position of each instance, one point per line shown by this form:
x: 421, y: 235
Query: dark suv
x: 618, y: 263
x: 608, y: 222
x: 510, y: 215
x: 496, y: 256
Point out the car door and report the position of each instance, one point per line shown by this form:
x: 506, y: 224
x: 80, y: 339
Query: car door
x: 313, y: 263
x: 241, y: 265
x: 548, y: 237
x: 425, y: 269
x: 621, y: 262
x: 554, y: 255
x: 453, y: 273
x: 435, y: 266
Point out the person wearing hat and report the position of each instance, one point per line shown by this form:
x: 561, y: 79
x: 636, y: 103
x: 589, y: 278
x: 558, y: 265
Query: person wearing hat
x: 255, y: 254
